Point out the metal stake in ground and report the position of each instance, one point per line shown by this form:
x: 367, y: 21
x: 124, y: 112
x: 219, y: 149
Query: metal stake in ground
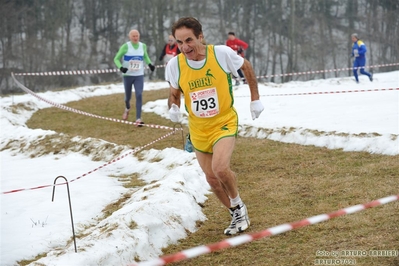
x: 70, y: 206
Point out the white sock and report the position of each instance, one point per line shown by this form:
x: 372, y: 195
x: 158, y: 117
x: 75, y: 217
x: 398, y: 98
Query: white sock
x: 236, y: 201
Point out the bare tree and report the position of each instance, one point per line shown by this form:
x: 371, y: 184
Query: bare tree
x: 284, y: 36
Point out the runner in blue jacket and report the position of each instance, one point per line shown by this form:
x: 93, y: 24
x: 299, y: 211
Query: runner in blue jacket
x: 359, y: 50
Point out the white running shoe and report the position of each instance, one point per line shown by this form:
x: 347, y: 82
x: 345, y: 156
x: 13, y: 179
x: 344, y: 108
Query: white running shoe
x: 125, y: 114
x: 240, y: 220
x: 139, y: 123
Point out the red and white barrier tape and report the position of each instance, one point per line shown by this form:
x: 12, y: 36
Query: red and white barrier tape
x: 75, y: 72
x: 322, y: 92
x: 102, y: 71
x: 60, y: 106
x: 92, y: 171
x: 242, y: 239
x: 68, y: 72
x: 325, y: 71
x: 331, y: 92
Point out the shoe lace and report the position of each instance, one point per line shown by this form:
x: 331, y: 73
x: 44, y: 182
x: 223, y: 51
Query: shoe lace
x: 237, y: 216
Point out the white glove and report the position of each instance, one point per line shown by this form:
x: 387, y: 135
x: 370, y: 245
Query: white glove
x: 256, y: 108
x: 356, y: 52
x: 174, y: 113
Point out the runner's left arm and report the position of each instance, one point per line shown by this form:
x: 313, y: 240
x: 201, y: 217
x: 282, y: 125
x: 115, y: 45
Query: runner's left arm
x: 251, y: 79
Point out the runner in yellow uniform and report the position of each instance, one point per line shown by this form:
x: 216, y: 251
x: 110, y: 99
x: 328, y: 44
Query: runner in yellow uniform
x: 209, y: 101
x: 203, y: 74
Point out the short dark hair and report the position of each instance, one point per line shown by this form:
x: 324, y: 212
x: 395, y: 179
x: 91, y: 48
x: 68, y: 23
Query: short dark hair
x: 231, y: 33
x: 189, y: 23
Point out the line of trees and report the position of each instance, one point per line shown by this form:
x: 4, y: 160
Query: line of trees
x: 284, y: 35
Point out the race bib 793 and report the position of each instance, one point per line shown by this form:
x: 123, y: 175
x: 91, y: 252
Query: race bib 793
x: 205, y: 103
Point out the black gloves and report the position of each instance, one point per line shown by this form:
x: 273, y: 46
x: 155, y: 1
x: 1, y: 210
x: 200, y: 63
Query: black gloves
x: 240, y: 50
x: 152, y: 67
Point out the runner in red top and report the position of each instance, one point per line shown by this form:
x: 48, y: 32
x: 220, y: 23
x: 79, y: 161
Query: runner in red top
x: 239, y: 46
x: 170, y: 50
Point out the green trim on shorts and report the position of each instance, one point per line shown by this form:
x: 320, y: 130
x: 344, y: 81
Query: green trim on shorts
x: 228, y: 136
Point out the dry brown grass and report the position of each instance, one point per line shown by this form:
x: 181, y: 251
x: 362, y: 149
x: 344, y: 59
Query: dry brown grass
x: 280, y: 183
x: 108, y: 106
x: 283, y: 183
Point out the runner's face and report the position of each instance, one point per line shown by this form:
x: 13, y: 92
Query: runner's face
x: 134, y: 36
x: 190, y: 45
